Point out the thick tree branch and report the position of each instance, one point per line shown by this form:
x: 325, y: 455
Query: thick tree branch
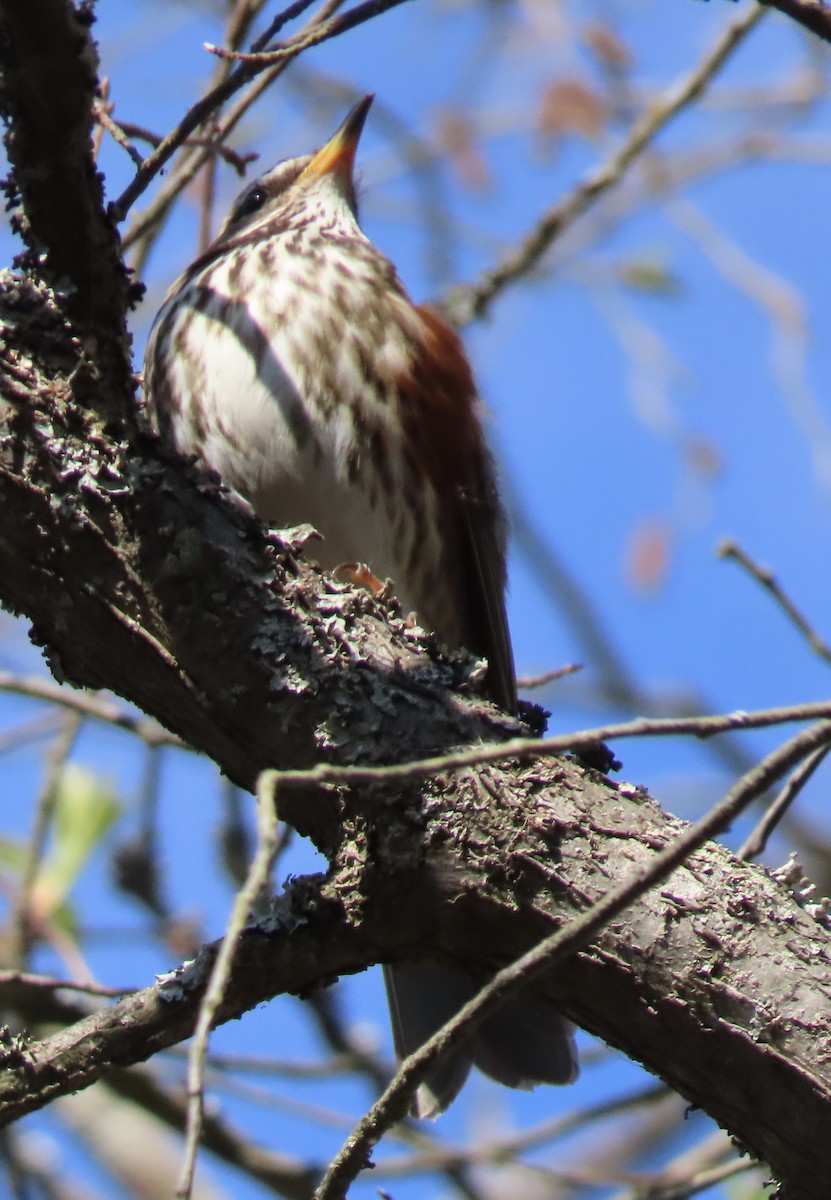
x: 139, y: 581
x: 814, y: 15
x: 174, y: 583
x: 553, y: 953
x: 717, y: 979
x: 282, y: 1174
x: 48, y: 63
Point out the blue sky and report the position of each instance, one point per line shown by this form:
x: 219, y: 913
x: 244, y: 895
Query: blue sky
x: 597, y: 391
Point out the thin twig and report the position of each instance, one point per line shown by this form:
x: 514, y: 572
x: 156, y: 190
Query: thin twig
x: 710, y: 1161
x: 246, y: 897
x: 136, y: 861
x: 311, y: 37
x: 41, y: 726
x: 790, y: 329
x: 674, y: 172
x: 279, y: 1174
x: 354, y: 1154
x: 501, y: 1150
x: 700, y: 1181
x: 103, y: 103
x: 527, y: 683
x: 197, y: 115
x: 572, y: 600
x: 522, y: 748
x: 48, y: 983
x: 758, y: 839
x: 208, y: 104
x: 468, y: 302
x: 207, y: 198
x: 130, y: 129
x: 764, y: 576
x: 239, y: 21
x: 253, y: 1064
x: 146, y: 224
x: 88, y: 704
x: 101, y: 112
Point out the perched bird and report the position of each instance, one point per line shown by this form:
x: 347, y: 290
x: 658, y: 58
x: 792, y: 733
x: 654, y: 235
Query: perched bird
x: 290, y: 359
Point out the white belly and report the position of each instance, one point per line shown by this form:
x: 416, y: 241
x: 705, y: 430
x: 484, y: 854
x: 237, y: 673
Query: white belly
x: 247, y: 421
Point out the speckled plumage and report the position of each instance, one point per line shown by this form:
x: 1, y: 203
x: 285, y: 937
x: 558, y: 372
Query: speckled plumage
x: 290, y: 359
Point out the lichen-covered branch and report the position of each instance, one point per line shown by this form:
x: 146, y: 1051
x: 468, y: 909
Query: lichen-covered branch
x: 195, y: 614
x: 716, y: 980
x: 48, y: 81
x: 141, y: 577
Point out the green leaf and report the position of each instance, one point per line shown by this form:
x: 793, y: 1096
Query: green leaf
x: 86, y: 807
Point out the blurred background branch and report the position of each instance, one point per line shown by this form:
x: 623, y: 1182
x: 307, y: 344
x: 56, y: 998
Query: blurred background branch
x: 654, y: 184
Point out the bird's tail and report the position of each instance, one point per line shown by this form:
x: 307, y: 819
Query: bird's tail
x: 525, y: 1042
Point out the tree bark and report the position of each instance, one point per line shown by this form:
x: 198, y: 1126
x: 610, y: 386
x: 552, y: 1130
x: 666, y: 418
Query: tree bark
x: 141, y: 577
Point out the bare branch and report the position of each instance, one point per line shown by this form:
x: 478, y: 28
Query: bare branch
x: 758, y: 839
x: 469, y: 302
x: 319, y: 31
x: 641, y: 992
x: 105, y: 545
x: 258, y: 875
x: 765, y: 577
x: 89, y: 704
x: 354, y: 1154
x: 286, y: 1175
x: 523, y: 748
x: 24, y: 979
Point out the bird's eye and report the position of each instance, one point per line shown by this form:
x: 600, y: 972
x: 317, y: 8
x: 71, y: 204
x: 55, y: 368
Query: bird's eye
x: 250, y: 202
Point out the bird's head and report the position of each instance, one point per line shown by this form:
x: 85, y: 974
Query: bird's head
x: 316, y: 188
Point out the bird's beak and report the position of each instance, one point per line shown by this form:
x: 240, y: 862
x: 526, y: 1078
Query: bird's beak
x: 337, y: 158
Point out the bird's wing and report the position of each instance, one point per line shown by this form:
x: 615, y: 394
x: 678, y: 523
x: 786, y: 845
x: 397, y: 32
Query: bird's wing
x: 456, y: 455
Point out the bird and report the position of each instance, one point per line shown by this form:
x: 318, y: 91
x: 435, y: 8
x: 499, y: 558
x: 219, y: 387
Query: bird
x: 289, y: 359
